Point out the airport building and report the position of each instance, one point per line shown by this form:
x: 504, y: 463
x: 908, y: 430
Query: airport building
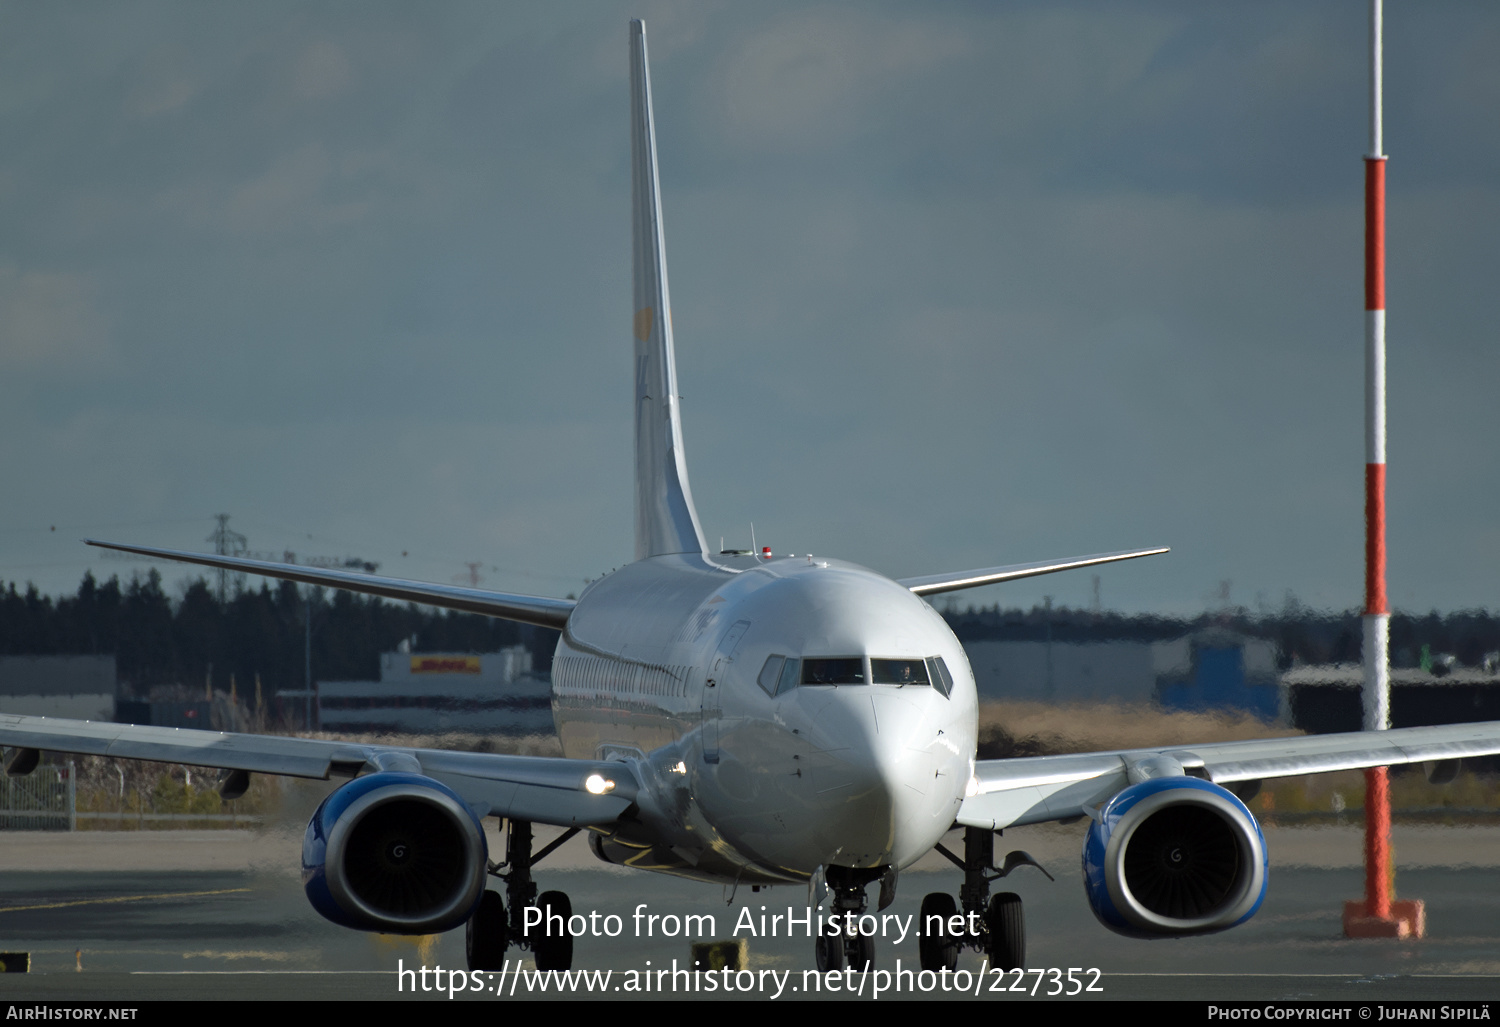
x: 76, y: 687
x: 1209, y: 669
x: 1326, y: 698
x: 479, y: 693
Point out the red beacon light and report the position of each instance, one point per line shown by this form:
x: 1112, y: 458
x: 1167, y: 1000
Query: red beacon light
x: 765, y: 552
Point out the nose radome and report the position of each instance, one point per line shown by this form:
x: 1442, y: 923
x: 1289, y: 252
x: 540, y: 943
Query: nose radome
x: 919, y: 769
x: 883, y: 757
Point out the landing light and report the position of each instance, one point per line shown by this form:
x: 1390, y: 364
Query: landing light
x: 598, y: 784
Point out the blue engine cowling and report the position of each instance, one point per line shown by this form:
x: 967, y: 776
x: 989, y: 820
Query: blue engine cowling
x: 1174, y: 856
x: 394, y: 852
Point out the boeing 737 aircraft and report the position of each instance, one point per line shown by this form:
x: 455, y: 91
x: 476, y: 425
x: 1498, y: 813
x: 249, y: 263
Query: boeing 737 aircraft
x: 750, y: 718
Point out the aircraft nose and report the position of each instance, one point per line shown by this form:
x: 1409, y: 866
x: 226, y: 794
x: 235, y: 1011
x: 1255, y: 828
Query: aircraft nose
x: 883, y: 773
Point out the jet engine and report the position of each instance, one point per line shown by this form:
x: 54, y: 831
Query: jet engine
x: 1173, y: 856
x: 394, y: 852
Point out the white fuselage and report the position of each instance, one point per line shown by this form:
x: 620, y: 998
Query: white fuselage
x: 659, y: 665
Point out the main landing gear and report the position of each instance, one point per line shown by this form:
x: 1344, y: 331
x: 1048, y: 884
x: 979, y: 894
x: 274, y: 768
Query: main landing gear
x: 994, y: 925
x: 846, y: 887
x: 491, y: 931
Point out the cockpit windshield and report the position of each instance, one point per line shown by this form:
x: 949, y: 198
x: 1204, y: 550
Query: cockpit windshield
x: 780, y: 674
x: 846, y: 670
x: 898, y: 672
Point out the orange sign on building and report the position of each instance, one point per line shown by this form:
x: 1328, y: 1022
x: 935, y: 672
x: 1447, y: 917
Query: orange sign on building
x: 445, y: 665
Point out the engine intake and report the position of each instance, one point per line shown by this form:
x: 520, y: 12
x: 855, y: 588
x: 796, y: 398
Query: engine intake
x: 1174, y: 856
x: 394, y: 852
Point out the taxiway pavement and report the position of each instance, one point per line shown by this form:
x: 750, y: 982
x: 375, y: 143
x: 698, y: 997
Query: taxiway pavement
x: 220, y: 914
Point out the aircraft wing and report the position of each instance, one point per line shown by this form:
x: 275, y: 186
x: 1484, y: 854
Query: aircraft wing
x: 539, y: 610
x: 931, y: 584
x: 1037, y: 789
x: 543, y: 789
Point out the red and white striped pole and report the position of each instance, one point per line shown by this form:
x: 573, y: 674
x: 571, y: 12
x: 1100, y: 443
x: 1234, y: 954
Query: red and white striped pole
x: 1379, y: 915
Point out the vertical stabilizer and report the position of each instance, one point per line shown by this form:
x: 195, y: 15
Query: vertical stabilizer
x: 665, y: 521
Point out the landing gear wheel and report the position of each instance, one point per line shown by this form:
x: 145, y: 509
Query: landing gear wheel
x: 1007, y: 927
x: 486, y: 935
x: 829, y: 952
x: 938, y: 951
x: 860, y: 952
x: 553, y: 951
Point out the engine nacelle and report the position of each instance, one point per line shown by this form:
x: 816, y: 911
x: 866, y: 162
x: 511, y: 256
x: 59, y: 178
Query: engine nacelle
x: 397, y: 853
x: 1173, y: 856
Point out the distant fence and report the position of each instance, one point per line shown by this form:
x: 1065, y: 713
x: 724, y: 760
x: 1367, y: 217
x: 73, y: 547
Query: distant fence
x: 47, y: 800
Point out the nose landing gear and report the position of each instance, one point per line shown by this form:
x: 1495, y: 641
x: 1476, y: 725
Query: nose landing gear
x: 994, y: 925
x: 850, y: 947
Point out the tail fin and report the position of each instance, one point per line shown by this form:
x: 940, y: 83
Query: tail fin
x: 665, y: 521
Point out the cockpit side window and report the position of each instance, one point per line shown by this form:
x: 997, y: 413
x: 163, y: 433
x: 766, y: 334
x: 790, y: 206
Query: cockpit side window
x: 788, y: 676
x: 898, y: 672
x: 941, y: 679
x: 842, y: 670
x: 770, y: 674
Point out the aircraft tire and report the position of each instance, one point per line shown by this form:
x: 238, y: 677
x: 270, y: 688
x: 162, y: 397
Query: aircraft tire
x: 938, y: 951
x: 860, y: 952
x: 485, y: 937
x: 829, y: 952
x: 554, y: 952
x: 1007, y: 927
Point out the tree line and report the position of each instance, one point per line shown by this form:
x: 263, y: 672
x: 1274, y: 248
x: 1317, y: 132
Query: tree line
x: 1301, y: 635
x: 157, y: 640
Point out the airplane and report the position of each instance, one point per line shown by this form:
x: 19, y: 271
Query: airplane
x: 750, y: 718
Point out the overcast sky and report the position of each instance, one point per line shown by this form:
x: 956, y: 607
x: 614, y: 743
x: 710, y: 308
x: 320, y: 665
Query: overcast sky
x: 955, y: 285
